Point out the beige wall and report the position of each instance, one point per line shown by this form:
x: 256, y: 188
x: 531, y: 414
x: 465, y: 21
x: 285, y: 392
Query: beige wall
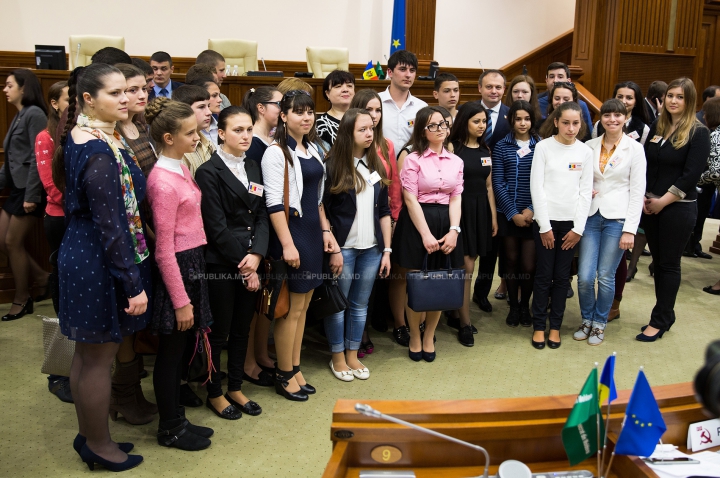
x: 465, y: 32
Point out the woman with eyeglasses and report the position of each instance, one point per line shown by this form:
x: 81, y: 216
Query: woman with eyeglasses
x: 432, y: 180
x: 300, y: 241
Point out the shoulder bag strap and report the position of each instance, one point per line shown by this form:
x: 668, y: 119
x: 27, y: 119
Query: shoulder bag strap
x: 286, y: 193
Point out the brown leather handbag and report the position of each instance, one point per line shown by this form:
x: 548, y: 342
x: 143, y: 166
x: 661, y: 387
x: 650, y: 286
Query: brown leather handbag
x: 273, y: 301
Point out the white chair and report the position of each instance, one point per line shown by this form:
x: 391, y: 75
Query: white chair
x: 89, y: 45
x: 321, y: 61
x: 242, y: 53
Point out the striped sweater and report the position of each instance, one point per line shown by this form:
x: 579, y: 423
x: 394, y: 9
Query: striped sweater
x: 511, y: 176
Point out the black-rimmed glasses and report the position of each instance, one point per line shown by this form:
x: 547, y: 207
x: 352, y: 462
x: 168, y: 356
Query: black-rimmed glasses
x: 276, y: 103
x: 434, y: 127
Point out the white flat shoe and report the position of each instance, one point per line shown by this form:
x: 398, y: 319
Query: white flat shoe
x: 361, y: 373
x: 347, y: 376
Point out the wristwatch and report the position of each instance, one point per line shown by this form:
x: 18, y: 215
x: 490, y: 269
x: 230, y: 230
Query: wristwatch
x: 455, y: 228
x: 388, y: 249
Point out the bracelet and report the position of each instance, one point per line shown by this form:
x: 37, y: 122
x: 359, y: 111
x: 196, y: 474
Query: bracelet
x: 326, y: 230
x: 338, y: 252
x: 388, y: 249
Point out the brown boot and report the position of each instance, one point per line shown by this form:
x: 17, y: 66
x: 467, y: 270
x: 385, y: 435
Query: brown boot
x: 145, y: 406
x: 614, y: 311
x: 123, y: 398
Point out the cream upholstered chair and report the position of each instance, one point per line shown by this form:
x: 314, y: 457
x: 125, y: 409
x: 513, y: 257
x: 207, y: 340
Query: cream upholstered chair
x: 89, y: 45
x: 321, y: 61
x: 242, y: 53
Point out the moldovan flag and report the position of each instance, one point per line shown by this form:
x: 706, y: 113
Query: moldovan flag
x: 643, y: 425
x: 580, y: 433
x: 370, y: 73
x: 607, y: 390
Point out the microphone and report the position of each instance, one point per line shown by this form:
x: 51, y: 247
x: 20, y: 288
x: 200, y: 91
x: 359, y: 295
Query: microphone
x: 367, y: 410
x: 386, y: 60
x: 77, y: 54
x: 481, y: 67
x: 263, y: 62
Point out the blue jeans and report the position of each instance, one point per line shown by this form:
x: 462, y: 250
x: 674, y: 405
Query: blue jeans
x: 600, y: 255
x: 360, y: 268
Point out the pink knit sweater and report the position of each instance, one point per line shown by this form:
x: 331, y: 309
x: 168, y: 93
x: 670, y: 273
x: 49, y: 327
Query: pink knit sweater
x: 175, y: 203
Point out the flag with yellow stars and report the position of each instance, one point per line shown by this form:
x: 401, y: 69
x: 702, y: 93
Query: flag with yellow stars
x: 643, y: 425
x: 397, y: 37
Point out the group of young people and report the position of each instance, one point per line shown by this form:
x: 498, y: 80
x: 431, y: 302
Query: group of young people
x: 162, y: 201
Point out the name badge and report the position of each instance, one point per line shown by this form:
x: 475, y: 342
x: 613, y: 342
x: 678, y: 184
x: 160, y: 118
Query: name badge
x: 656, y: 139
x: 256, y: 189
x: 575, y: 166
x: 374, y: 178
x: 634, y: 134
x: 487, y: 161
x: 411, y: 123
x: 614, y: 162
x: 524, y: 151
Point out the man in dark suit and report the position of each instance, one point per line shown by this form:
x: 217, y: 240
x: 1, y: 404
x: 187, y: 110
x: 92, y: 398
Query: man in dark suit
x: 162, y: 66
x: 653, y: 100
x: 559, y: 72
x: 492, y: 88
x: 710, y: 92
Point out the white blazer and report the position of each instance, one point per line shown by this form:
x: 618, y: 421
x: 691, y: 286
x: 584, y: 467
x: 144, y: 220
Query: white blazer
x: 621, y: 187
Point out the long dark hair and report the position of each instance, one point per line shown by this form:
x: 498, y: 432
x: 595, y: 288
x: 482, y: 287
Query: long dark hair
x: 638, y: 110
x: 522, y: 105
x: 53, y: 115
x: 343, y: 174
x: 418, y: 140
x: 533, y: 93
x: 360, y: 100
x: 297, y: 101
x: 459, y: 132
x: 89, y: 79
x: 549, y: 129
x: 32, y: 91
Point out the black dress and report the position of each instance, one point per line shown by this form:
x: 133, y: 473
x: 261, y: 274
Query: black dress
x: 476, y: 219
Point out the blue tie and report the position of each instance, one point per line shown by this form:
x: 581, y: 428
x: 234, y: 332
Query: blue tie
x: 164, y: 92
x: 490, y: 125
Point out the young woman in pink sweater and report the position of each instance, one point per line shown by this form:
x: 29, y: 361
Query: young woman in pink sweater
x: 181, y: 297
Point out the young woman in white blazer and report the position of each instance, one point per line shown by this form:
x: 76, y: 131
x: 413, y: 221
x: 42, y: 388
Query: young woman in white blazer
x: 618, y: 190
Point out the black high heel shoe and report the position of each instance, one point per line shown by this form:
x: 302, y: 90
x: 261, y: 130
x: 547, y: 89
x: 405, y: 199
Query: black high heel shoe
x: 282, y: 381
x: 649, y: 338
x: 428, y: 356
x: 651, y: 268
x: 307, y: 388
x: 81, y: 440
x: 631, y: 274
x: 91, y: 459
x: 45, y: 295
x: 27, y: 308
x: 415, y: 356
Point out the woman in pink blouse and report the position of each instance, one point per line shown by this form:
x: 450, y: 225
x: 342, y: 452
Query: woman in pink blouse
x: 432, y: 181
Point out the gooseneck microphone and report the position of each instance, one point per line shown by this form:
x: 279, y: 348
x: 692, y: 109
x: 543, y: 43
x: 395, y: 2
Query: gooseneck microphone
x: 367, y: 410
x: 77, y: 54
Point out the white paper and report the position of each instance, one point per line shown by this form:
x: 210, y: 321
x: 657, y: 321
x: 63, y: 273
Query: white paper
x: 709, y: 463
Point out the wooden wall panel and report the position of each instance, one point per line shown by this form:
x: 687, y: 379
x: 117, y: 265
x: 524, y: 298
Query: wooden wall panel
x: 536, y: 61
x: 644, y: 68
x: 420, y: 28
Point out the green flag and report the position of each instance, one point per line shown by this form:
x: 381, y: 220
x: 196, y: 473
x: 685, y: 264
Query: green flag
x: 580, y: 433
x: 379, y: 71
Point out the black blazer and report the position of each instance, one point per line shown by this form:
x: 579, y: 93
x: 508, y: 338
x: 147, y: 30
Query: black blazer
x: 19, y: 146
x: 174, y: 85
x: 650, y: 113
x: 340, y: 210
x: 231, y: 215
x: 680, y: 168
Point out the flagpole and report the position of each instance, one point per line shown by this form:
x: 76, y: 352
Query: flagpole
x: 598, y: 418
x: 607, y: 427
x: 622, y: 427
x: 612, y: 457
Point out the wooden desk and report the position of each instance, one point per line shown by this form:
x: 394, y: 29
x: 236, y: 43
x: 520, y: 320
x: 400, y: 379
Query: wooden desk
x: 525, y: 429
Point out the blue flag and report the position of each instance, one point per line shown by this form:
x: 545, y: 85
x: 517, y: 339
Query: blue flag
x: 643, y: 424
x: 397, y: 37
x: 607, y: 392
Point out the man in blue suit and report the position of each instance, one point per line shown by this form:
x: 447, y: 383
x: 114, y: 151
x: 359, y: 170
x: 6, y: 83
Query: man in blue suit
x: 162, y: 66
x: 492, y: 88
x: 558, y: 71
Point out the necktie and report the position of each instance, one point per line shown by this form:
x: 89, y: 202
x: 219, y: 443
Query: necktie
x: 489, y: 125
x: 164, y: 92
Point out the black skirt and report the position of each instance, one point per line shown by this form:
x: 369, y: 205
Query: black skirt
x: 510, y: 229
x: 192, y: 269
x: 476, y: 225
x: 14, y: 203
x: 407, y: 244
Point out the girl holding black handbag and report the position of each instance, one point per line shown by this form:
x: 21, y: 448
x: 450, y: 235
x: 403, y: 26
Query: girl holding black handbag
x: 356, y: 203
x: 432, y: 180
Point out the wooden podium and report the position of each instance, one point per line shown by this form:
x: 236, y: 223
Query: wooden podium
x: 525, y: 429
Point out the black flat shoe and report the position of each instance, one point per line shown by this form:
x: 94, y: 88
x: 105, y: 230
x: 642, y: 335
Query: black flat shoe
x: 428, y: 356
x: 61, y: 389
x: 553, y: 345
x: 483, y: 303
x: 454, y: 323
x: 415, y: 356
x: 513, y: 317
x: 525, y: 317
x: 178, y: 434
x: 538, y: 345
x: 229, y: 413
x: 263, y: 380
x: 251, y: 408
x: 465, y: 336
x: 268, y: 370
x: 651, y: 268
x: 188, y: 397
x: 649, y: 338
x: 27, y: 308
x: 402, y: 335
x: 710, y: 290
x: 703, y: 255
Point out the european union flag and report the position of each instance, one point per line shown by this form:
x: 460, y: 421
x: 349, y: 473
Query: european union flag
x: 643, y: 425
x: 397, y: 38
x: 607, y: 390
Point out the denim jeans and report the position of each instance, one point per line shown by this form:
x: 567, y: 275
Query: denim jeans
x: 360, y: 268
x: 600, y: 255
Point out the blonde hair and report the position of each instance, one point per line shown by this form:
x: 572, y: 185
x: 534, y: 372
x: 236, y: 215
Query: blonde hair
x: 164, y: 116
x: 688, y: 122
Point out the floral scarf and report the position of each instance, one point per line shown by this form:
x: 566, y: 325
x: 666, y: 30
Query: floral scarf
x: 132, y: 211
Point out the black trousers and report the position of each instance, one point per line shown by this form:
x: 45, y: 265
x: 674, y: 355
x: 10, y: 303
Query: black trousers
x: 168, y: 372
x: 667, y: 234
x: 552, y: 277
x: 232, y: 307
x: 704, y: 202
x: 486, y: 269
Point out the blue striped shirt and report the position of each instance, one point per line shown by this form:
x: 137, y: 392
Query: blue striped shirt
x: 511, y: 176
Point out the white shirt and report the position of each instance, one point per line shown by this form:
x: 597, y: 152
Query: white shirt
x: 494, y: 112
x: 211, y: 132
x: 561, y: 182
x: 235, y: 164
x: 172, y: 165
x: 398, y: 123
x: 362, y: 231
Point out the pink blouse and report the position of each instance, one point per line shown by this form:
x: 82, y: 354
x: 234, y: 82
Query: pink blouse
x: 433, y: 178
x: 395, y: 189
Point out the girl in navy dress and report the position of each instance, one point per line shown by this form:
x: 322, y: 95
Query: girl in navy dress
x: 300, y: 242
x: 102, y: 265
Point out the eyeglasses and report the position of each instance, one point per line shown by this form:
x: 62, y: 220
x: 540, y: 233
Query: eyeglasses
x: 434, y: 127
x: 276, y: 103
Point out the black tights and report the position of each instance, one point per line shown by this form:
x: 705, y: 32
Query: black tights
x: 167, y: 373
x: 520, y: 268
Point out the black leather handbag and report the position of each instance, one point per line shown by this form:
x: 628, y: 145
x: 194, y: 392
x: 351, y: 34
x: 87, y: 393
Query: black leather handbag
x: 436, y: 290
x: 327, y: 299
